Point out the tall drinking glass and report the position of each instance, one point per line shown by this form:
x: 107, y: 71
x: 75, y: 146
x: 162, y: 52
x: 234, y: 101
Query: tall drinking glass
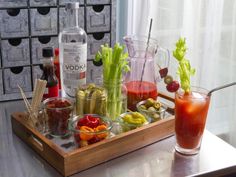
x: 190, y: 118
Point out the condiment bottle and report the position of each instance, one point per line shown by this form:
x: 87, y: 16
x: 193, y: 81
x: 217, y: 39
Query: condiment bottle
x: 52, y: 89
x: 57, y: 66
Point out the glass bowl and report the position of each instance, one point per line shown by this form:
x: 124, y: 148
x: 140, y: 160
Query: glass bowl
x: 58, y: 111
x: 85, y: 132
x: 127, y: 126
x: 152, y: 115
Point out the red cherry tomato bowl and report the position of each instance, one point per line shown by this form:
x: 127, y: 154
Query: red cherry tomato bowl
x: 89, y: 129
x: 58, y: 111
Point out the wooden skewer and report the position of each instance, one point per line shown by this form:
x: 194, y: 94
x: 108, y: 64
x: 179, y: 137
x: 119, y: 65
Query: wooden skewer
x: 34, y: 93
x: 27, y: 104
x: 33, y: 108
x: 29, y: 108
x: 39, y: 94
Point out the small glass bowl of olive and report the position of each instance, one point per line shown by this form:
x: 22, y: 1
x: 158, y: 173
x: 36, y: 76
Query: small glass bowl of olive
x: 152, y: 109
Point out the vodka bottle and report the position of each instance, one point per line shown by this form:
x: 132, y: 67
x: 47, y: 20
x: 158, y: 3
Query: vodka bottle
x: 73, y: 52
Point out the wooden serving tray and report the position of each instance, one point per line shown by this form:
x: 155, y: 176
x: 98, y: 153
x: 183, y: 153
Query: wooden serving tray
x: 68, y: 163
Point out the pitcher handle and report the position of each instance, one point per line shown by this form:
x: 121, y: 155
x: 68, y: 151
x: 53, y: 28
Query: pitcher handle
x: 164, y: 61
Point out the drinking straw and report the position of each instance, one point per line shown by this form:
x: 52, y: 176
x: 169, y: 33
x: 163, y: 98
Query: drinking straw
x: 149, y: 34
x: 221, y: 87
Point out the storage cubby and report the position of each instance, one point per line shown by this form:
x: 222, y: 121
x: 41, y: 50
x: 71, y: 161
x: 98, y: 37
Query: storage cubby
x: 95, y: 40
x: 17, y: 76
x: 43, y: 21
x: 97, y: 18
x: 14, y: 23
x: 29, y: 25
x: 15, y: 52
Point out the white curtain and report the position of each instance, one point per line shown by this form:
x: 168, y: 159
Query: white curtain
x: 209, y: 27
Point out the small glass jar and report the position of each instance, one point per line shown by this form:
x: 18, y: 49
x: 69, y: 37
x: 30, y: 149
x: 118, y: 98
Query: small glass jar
x: 116, y: 98
x: 58, y: 111
x: 91, y: 99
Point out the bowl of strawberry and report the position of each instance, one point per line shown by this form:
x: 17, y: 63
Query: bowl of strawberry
x: 58, y: 111
x: 89, y: 129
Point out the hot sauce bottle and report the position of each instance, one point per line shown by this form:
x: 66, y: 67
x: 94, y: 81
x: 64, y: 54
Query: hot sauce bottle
x: 52, y: 88
x: 57, y: 66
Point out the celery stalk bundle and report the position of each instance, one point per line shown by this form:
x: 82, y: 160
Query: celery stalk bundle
x: 114, y: 63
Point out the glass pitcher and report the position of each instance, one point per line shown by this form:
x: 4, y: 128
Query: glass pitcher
x: 148, y: 64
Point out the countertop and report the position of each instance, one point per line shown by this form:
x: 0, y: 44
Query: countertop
x: 216, y: 157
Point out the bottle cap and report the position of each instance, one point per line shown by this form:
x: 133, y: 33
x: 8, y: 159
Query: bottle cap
x: 74, y: 5
x: 56, y: 51
x: 48, y: 52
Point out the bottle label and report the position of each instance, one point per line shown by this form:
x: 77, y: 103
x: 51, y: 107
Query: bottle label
x: 74, y: 66
x: 51, y: 92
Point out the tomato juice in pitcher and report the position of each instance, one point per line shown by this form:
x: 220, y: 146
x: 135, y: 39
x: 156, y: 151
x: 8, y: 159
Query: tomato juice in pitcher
x: 137, y: 91
x: 141, y: 81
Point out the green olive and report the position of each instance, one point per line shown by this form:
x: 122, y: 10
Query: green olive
x: 143, y: 107
x: 149, y: 102
x: 156, y: 117
x: 157, y: 105
x: 168, y: 79
x: 151, y: 109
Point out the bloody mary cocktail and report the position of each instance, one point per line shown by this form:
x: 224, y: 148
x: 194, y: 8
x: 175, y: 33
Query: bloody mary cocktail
x: 191, y: 110
x: 138, y: 91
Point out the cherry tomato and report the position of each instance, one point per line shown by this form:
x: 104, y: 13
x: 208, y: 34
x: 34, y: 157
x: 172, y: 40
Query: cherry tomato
x: 173, y: 86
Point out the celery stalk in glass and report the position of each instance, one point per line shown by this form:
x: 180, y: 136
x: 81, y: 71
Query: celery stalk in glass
x: 114, y: 63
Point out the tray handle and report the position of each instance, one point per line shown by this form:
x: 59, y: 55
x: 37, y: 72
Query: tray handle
x: 35, y: 142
